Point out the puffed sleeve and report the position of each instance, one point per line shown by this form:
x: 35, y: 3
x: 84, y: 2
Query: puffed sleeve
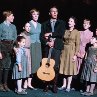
x: 18, y: 56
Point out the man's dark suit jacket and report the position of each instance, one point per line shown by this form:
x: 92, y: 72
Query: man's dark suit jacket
x: 59, y: 30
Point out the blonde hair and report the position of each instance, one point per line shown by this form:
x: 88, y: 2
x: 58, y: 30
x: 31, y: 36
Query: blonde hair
x: 52, y: 8
x: 7, y: 13
x: 34, y: 10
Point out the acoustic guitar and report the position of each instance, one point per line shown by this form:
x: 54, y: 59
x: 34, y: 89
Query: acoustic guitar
x: 46, y: 71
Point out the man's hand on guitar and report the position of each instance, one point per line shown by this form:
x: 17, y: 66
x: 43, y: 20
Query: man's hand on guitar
x: 50, y: 44
x: 47, y: 35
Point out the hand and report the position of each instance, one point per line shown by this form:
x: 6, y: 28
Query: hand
x: 0, y: 55
x: 78, y: 54
x: 20, y: 68
x: 81, y: 55
x: 15, y: 49
x: 51, y: 44
x: 95, y: 58
x: 47, y: 35
x: 74, y: 58
x: 95, y: 70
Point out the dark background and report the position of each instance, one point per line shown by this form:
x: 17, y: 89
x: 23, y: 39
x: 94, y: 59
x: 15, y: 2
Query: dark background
x: 79, y: 8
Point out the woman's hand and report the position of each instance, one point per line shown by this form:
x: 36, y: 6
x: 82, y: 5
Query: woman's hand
x: 95, y: 70
x: 15, y: 49
x: 20, y: 68
x: 0, y: 55
x: 81, y: 55
x: 74, y: 58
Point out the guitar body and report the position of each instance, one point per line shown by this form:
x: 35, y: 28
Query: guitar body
x: 46, y: 71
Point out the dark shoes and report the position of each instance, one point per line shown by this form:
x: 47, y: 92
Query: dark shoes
x: 46, y: 89
x: 4, y: 88
x: 55, y: 89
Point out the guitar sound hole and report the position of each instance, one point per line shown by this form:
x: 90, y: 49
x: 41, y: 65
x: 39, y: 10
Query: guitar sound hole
x: 47, y: 64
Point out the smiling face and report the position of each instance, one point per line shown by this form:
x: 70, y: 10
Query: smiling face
x: 10, y: 18
x: 71, y: 22
x: 86, y: 24
x: 22, y: 43
x: 53, y: 13
x: 27, y: 27
x: 35, y: 16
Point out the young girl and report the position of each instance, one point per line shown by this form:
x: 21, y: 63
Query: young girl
x: 20, y: 66
x: 89, y: 73
x: 26, y: 34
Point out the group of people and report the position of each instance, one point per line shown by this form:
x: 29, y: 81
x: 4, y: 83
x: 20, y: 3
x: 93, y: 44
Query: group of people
x: 72, y: 50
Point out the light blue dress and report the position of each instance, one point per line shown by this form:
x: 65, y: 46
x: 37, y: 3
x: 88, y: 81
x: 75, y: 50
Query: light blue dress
x: 20, y: 59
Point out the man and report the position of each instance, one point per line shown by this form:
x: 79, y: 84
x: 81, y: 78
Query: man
x: 51, y: 36
x: 8, y: 35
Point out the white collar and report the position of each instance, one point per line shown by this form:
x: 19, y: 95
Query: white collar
x: 53, y: 20
x: 7, y: 23
x: 34, y: 23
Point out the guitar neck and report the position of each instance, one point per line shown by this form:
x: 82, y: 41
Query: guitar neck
x: 49, y: 55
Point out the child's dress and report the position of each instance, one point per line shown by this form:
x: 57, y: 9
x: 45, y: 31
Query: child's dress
x: 20, y: 59
x: 90, y: 63
x: 27, y: 48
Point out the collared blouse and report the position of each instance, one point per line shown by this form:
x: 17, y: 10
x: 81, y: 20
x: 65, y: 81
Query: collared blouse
x: 8, y: 32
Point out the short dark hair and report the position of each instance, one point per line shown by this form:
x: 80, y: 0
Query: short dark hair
x: 53, y: 7
x: 74, y: 18
x: 19, y: 38
x: 88, y: 20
